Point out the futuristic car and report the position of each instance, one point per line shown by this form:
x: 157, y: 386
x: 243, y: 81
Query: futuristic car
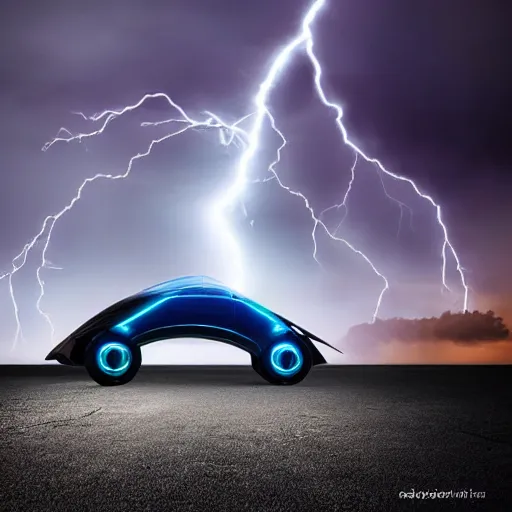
x: 108, y: 345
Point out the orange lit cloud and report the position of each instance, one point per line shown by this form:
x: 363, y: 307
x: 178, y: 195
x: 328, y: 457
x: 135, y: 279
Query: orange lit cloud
x: 438, y: 352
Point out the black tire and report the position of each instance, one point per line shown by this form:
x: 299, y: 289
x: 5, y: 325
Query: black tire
x: 294, y: 352
x: 112, y: 367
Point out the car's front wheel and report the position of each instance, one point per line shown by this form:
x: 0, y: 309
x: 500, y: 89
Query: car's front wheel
x: 112, y: 361
x: 284, y: 362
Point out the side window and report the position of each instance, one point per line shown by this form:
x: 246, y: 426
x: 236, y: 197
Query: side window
x: 212, y: 291
x: 190, y: 290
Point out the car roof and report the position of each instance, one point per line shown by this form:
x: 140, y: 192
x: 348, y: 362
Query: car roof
x: 186, y: 282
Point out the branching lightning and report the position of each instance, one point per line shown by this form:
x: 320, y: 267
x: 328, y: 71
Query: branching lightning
x: 343, y: 203
x: 249, y: 141
x: 49, y: 223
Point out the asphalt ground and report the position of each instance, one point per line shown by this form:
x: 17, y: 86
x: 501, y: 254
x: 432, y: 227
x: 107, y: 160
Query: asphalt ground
x: 220, y: 438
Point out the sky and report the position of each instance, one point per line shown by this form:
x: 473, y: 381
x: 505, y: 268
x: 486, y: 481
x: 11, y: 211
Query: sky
x: 424, y: 87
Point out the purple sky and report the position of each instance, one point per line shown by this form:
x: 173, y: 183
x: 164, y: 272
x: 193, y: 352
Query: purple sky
x: 425, y: 88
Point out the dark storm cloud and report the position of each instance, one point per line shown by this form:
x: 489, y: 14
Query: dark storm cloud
x: 445, y: 63
x: 423, y: 85
x: 63, y: 51
x: 475, y: 327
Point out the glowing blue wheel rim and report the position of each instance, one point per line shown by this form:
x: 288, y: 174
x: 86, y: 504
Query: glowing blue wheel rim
x: 114, y: 359
x: 286, y: 359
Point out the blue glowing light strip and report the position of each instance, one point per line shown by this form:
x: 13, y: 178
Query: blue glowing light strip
x: 278, y: 326
x: 259, y: 309
x: 124, y: 325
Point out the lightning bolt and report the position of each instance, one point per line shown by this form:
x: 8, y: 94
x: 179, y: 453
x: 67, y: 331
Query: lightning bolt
x: 447, y: 244
x: 343, y: 203
x: 235, y: 134
x: 305, y: 37
x: 249, y: 141
x: 400, y: 204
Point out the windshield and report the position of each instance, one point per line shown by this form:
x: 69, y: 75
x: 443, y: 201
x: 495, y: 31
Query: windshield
x: 184, y: 282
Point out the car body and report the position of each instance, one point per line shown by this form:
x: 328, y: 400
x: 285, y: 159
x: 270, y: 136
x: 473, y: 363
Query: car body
x: 191, y: 306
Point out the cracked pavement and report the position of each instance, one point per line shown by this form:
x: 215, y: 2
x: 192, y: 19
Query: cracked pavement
x: 220, y: 438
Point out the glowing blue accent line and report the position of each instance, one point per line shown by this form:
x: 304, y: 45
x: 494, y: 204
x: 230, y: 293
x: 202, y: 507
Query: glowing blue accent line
x: 125, y: 358
x: 123, y: 325
x: 278, y: 325
x: 276, y: 357
x: 123, y: 328
x: 279, y: 328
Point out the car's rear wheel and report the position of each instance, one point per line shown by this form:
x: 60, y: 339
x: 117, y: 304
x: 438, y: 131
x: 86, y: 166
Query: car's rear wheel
x: 285, y: 362
x: 112, y: 361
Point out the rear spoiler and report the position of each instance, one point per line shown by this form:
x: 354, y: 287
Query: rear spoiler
x: 307, y: 333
